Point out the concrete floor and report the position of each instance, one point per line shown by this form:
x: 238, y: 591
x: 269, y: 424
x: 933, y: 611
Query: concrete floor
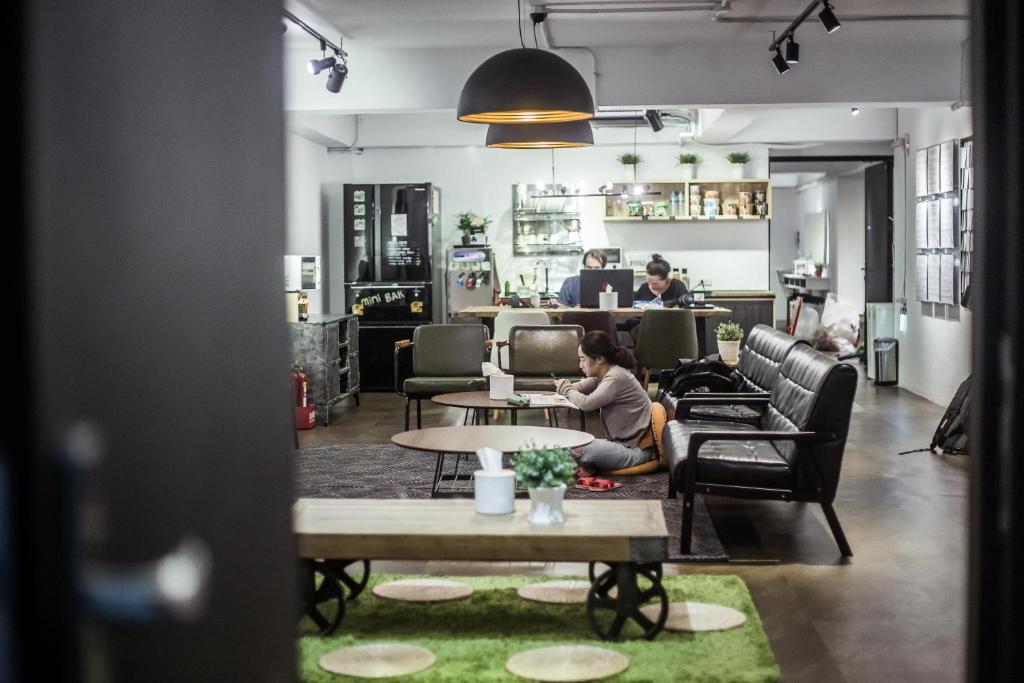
x: 894, y: 612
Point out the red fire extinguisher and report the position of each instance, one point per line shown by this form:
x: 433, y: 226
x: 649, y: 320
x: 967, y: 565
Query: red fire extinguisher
x: 305, y: 412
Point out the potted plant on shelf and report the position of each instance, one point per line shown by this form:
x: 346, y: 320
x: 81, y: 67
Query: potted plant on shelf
x: 819, y: 268
x: 545, y: 472
x: 729, y: 335
x: 689, y: 164
x: 739, y: 161
x: 630, y: 159
x: 471, y: 224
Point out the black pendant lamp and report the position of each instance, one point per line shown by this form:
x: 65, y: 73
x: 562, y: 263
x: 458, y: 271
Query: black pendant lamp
x: 540, y: 135
x: 525, y: 85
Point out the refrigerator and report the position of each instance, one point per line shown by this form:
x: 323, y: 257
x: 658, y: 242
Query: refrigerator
x: 394, y: 271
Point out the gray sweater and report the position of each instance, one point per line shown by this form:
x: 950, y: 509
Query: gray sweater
x: 625, y: 406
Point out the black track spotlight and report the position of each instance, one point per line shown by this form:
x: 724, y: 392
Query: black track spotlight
x: 315, y: 66
x: 337, y: 77
x: 792, y: 51
x: 779, y: 62
x: 828, y: 17
x: 654, y: 118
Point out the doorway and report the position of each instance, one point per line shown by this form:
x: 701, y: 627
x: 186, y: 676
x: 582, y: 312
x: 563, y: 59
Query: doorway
x: 834, y: 211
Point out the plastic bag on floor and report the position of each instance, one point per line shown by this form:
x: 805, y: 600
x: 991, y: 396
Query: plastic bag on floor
x: 807, y: 324
x: 841, y: 319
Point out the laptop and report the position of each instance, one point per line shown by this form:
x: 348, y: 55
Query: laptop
x: 594, y: 281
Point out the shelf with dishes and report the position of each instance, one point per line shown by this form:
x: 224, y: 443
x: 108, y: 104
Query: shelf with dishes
x: 690, y: 200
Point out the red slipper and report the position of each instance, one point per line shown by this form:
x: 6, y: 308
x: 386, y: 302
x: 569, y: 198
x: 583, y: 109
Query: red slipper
x: 599, y: 485
x: 585, y: 483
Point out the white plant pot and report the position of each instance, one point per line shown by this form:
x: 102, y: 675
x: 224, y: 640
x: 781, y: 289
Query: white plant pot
x: 729, y: 351
x: 688, y: 170
x: 546, y: 505
x: 739, y: 171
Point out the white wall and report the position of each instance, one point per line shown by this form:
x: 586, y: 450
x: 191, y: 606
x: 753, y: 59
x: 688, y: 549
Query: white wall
x: 846, y: 270
x: 934, y: 353
x: 731, y: 255
x: 310, y: 175
x: 785, y: 225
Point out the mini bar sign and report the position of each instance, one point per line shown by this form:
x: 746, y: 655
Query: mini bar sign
x: 389, y: 299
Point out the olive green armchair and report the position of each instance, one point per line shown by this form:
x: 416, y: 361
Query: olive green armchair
x: 445, y: 359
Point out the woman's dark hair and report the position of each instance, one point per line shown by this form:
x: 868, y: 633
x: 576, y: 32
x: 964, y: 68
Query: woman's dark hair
x: 597, y: 255
x: 658, y: 267
x: 599, y: 344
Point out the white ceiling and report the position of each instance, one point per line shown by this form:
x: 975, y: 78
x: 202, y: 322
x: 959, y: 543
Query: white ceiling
x: 492, y: 23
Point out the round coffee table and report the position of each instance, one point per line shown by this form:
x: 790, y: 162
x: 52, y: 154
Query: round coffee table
x: 462, y: 441
x: 478, y: 401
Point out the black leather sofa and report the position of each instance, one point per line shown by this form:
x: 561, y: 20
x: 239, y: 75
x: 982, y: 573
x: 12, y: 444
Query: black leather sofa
x: 794, y: 451
x: 764, y: 350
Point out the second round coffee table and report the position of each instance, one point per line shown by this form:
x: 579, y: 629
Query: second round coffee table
x: 481, y: 401
x: 460, y: 441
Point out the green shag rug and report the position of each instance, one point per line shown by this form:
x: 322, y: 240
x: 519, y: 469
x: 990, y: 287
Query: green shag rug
x: 473, y: 638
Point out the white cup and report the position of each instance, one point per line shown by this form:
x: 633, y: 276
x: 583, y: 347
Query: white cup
x: 535, y: 300
x: 494, y: 493
x: 607, y: 301
x: 501, y: 386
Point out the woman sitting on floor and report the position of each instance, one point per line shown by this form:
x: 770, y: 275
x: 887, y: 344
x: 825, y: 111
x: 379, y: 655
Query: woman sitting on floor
x: 625, y: 406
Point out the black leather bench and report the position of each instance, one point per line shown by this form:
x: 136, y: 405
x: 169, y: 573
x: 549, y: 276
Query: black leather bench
x: 793, y: 452
x: 764, y: 350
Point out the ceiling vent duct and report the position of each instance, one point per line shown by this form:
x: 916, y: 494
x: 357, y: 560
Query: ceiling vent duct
x: 655, y: 119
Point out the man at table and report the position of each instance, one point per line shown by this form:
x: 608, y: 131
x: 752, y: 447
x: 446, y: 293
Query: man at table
x: 569, y: 295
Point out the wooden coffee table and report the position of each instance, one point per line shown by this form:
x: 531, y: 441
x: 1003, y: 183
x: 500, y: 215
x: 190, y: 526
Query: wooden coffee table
x: 481, y: 401
x: 466, y: 440
x: 628, y: 535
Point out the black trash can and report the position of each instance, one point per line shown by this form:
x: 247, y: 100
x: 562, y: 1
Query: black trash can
x: 887, y: 361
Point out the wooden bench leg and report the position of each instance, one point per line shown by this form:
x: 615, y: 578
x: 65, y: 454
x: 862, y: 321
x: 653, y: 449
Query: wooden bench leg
x: 837, y: 530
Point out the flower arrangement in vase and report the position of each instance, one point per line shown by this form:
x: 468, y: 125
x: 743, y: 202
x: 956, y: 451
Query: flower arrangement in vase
x: 729, y: 335
x: 471, y: 223
x: 689, y: 163
x: 739, y: 161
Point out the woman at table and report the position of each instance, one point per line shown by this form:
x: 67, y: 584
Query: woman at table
x: 658, y: 284
x: 625, y: 407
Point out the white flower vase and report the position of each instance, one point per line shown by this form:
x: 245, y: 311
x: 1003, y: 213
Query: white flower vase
x: 739, y: 171
x: 729, y: 351
x: 688, y: 171
x: 546, y: 505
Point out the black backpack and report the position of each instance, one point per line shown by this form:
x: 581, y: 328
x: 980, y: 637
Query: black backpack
x: 703, y: 375
x: 951, y: 434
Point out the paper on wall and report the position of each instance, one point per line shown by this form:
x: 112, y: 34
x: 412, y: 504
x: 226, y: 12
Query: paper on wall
x: 921, y: 225
x: 921, y: 173
x: 922, y: 277
x: 399, y: 225
x: 933, y: 169
x: 946, y: 279
x: 934, y: 270
x: 933, y: 224
x: 947, y: 168
x: 947, y: 223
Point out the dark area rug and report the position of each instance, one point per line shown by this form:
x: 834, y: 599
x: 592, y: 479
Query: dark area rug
x: 387, y: 471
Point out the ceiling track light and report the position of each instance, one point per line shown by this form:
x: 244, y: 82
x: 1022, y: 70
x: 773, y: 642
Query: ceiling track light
x: 779, y: 62
x: 792, y: 51
x: 828, y: 19
x: 338, y: 64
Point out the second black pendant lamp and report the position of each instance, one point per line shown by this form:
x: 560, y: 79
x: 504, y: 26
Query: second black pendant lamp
x: 540, y: 135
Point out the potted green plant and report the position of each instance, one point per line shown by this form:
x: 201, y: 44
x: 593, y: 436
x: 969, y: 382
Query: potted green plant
x: 819, y: 268
x: 689, y: 163
x: 729, y: 335
x: 630, y: 159
x: 471, y: 223
x: 545, y: 472
x: 739, y: 161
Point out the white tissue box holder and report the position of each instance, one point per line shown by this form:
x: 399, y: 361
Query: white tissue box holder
x: 501, y: 386
x: 607, y: 301
x: 494, y: 493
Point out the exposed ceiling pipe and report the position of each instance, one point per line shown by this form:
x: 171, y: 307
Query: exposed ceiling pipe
x: 703, y: 7
x: 845, y: 18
